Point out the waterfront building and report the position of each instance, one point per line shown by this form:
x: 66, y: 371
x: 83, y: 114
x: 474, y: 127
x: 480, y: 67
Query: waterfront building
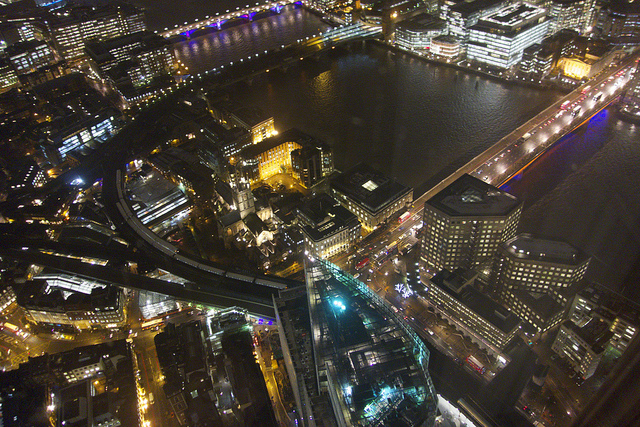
x: 570, y: 14
x: 311, y: 163
x: 537, y: 278
x: 370, y: 363
x: 446, y: 47
x: 584, y: 58
x: 619, y: 22
x: 415, y: 33
x: 499, y: 39
x: 465, y: 223
x: 463, y: 15
x: 328, y: 227
x: 272, y: 155
x: 474, y: 314
x: 64, y: 301
x: 623, y: 316
x: 370, y: 195
x: 137, y: 58
x: 259, y: 125
x: 72, y: 27
x: 582, y: 346
x: 537, y: 60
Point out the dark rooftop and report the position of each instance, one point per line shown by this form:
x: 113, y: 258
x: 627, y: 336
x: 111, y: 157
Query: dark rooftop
x: 469, y: 8
x: 368, y: 187
x: 525, y: 246
x: 469, y: 196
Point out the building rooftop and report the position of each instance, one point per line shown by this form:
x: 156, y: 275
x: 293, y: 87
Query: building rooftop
x: 510, y: 20
x: 375, y: 363
x: 595, y: 333
x: 423, y: 22
x: 541, y: 304
x: 369, y: 188
x: 468, y: 8
x: 337, y: 219
x: 290, y: 135
x: 470, y: 197
x: 525, y: 246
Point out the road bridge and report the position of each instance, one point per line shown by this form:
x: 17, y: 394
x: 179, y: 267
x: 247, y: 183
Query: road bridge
x: 247, y: 13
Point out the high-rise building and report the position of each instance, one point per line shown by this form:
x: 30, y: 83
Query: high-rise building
x: 465, y: 223
x: 463, y: 15
x: 537, y: 278
x: 356, y: 339
x: 570, y: 14
x: 499, y: 39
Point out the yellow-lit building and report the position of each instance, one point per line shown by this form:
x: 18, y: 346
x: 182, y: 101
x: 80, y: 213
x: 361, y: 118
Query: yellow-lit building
x: 270, y: 156
x: 584, y: 67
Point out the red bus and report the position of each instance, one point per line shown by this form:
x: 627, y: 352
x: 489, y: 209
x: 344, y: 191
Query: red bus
x: 362, y: 263
x: 476, y: 364
x: 405, y: 216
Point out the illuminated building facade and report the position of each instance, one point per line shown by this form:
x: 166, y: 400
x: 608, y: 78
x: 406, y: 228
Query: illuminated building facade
x: 582, y: 346
x: 600, y: 303
x: 328, y: 227
x: 465, y: 223
x: 71, y: 27
x: 370, y: 363
x: 29, y: 55
x: 463, y: 15
x: 445, y: 46
x: 271, y: 156
x: 619, y: 22
x: 499, y: 39
x: 370, y: 195
x: 7, y: 297
x: 311, y: 163
x: 570, y: 14
x: 474, y: 314
x: 536, y: 60
x: 140, y: 56
x: 537, y: 278
x: 8, y: 75
x: 415, y: 34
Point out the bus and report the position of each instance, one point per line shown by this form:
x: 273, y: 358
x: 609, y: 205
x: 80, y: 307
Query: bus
x: 362, y: 264
x: 565, y: 105
x: 405, y: 216
x: 151, y: 324
x: 476, y: 364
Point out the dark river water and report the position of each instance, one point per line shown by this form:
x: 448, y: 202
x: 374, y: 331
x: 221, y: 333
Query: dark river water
x: 418, y: 122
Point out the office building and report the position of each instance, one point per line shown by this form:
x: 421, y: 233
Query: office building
x: 474, y: 314
x: 8, y: 75
x: 271, y: 156
x: 619, y: 22
x: 584, y: 58
x: 328, y: 227
x: 370, y: 363
x: 463, y: 15
x: 537, y: 60
x: 465, y: 223
x: 574, y: 15
x: 370, y: 195
x: 311, y: 163
x: 27, y: 177
x: 445, y: 47
x: 582, y: 346
x: 30, y: 55
x: 537, y: 278
x: 621, y: 314
x: 7, y: 298
x: 259, y: 125
x: 415, y: 33
x: 132, y: 58
x: 60, y: 299
x: 499, y: 39
x: 72, y: 27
